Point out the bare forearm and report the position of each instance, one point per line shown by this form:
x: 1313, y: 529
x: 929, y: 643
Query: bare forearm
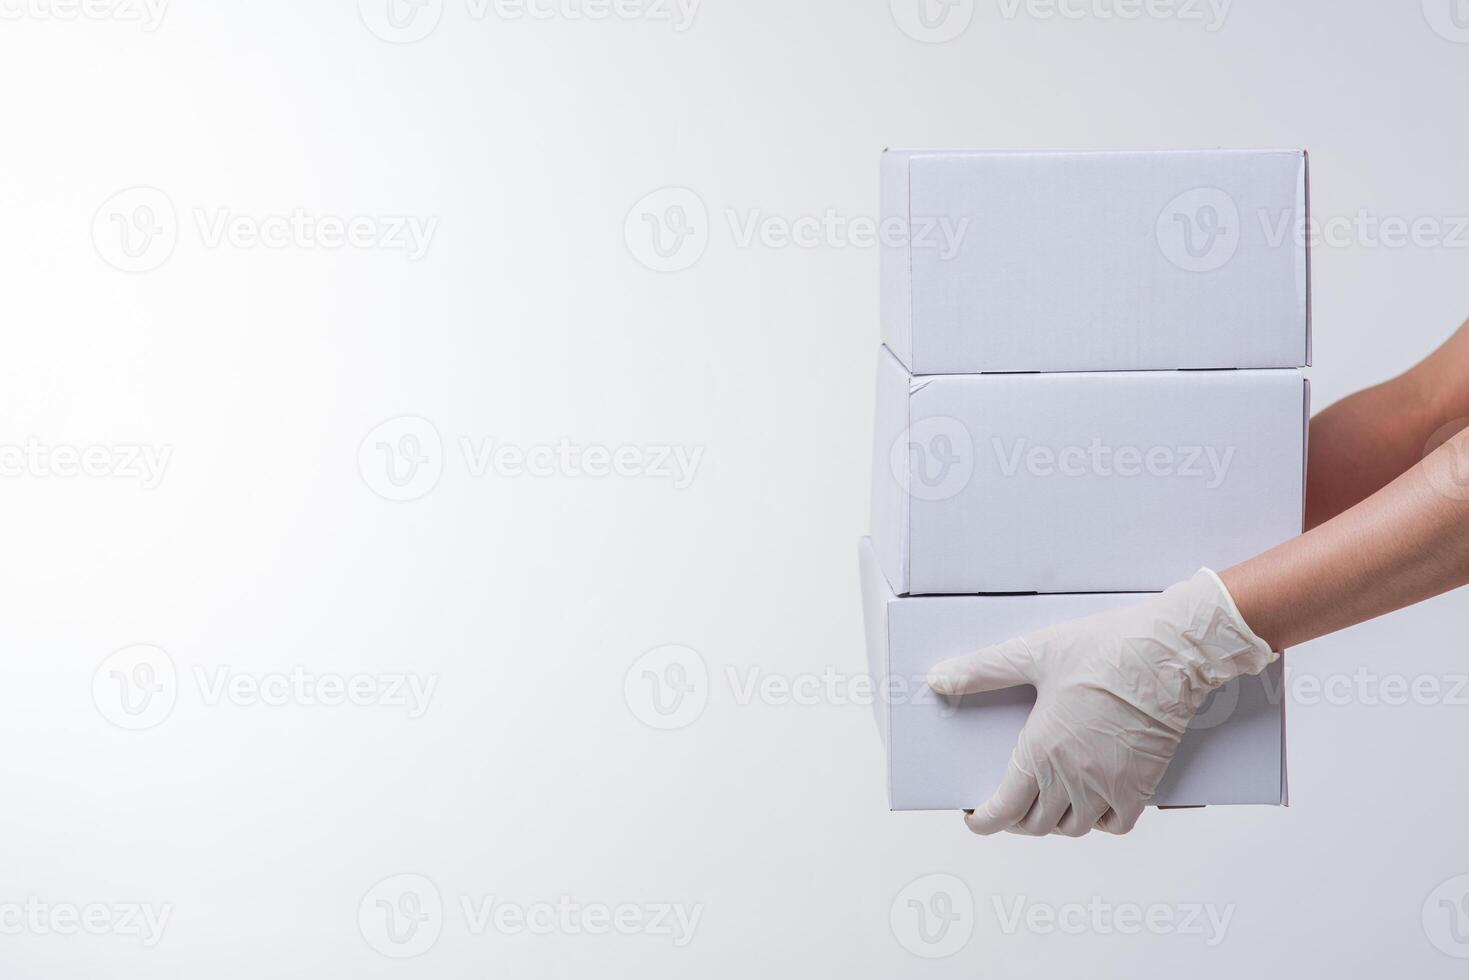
x: 1403, y: 544
x: 1363, y: 442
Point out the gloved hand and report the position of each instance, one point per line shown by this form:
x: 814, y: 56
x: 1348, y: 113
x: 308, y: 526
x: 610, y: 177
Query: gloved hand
x: 1114, y: 695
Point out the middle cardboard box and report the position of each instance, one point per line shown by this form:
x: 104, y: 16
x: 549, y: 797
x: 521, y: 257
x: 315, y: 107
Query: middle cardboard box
x: 1118, y: 481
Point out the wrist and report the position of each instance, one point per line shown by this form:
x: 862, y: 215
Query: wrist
x: 1221, y: 646
x: 1254, y: 603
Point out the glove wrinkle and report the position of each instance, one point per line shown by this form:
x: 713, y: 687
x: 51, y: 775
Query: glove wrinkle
x: 1115, y: 694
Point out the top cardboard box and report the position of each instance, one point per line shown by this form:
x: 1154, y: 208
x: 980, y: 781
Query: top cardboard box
x: 999, y: 261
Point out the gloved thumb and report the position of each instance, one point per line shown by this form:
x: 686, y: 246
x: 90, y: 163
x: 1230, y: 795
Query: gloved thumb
x: 991, y: 669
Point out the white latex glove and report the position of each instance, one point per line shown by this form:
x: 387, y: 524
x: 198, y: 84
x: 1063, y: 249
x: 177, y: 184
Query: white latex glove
x: 1114, y: 695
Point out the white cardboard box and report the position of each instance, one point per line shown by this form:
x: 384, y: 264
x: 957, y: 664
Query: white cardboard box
x: 1095, y: 260
x: 949, y: 753
x: 1100, y: 482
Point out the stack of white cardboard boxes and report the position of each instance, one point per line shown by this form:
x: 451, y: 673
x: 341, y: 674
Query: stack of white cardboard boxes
x: 1090, y: 386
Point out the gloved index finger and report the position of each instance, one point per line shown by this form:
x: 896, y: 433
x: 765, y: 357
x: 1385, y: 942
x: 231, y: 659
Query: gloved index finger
x: 1018, y: 790
x: 991, y: 669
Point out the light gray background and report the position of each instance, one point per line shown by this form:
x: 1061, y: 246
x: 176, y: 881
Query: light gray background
x: 532, y: 776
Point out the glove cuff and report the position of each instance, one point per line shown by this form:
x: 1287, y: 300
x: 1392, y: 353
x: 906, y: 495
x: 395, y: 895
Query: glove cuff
x: 1219, y: 645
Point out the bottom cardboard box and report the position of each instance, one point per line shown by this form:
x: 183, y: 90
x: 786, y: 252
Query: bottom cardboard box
x: 949, y: 754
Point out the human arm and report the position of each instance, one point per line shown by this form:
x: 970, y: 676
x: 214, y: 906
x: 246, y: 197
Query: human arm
x: 1115, y: 692
x: 1387, y: 508
x: 1407, y: 542
x: 1363, y: 442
